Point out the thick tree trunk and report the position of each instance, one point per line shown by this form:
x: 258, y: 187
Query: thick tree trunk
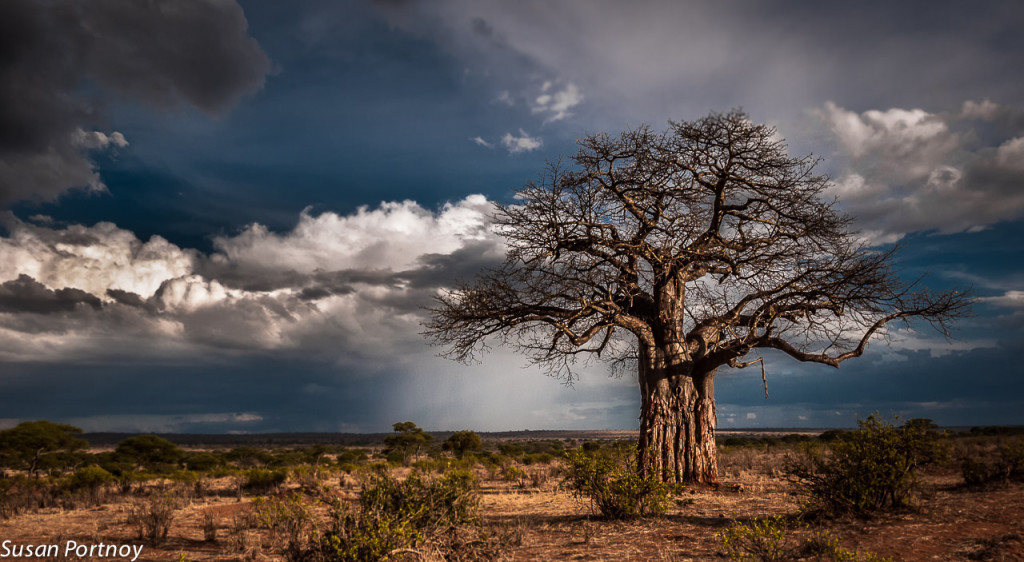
x: 677, y: 422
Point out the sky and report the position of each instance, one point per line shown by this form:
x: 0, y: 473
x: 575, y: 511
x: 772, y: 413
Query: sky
x: 228, y: 217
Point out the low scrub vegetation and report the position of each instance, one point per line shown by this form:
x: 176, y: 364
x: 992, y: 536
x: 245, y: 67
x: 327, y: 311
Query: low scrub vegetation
x: 984, y: 463
x: 867, y: 470
x: 153, y: 516
x: 393, y: 516
x: 416, y: 498
x: 611, y: 480
x: 771, y: 540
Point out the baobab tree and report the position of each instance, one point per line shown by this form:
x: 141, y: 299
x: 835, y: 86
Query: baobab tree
x: 684, y: 251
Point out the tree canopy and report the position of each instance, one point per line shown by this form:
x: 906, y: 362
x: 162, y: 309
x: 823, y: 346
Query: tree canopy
x: 462, y: 442
x: 24, y: 445
x: 683, y: 250
x: 761, y: 258
x: 406, y: 440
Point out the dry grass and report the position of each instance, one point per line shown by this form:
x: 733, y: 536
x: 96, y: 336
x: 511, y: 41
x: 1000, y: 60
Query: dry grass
x: 536, y: 519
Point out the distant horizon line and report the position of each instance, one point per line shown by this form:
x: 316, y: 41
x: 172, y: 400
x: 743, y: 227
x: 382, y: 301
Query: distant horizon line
x: 508, y: 431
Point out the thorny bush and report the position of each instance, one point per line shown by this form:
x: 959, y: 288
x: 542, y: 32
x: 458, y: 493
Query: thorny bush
x: 867, y: 470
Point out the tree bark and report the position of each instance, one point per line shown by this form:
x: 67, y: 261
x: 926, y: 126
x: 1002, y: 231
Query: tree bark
x: 677, y: 421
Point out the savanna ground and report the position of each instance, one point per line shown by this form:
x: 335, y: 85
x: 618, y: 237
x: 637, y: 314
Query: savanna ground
x: 529, y: 514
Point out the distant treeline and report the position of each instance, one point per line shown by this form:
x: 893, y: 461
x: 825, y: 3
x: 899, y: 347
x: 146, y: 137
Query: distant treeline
x: 750, y: 438
x: 201, y: 440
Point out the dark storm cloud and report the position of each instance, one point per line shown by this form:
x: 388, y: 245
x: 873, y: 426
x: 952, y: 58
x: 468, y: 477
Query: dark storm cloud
x: 161, y: 52
x: 25, y: 294
x: 127, y: 298
x: 417, y: 285
x: 464, y: 264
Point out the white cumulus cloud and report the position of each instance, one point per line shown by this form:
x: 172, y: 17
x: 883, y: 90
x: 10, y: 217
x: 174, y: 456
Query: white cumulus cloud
x: 392, y: 236
x: 92, y: 258
x: 348, y: 287
x: 555, y: 103
x: 523, y: 143
x: 908, y: 170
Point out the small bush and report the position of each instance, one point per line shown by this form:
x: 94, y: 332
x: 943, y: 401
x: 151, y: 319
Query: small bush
x: 90, y: 480
x: 610, y: 479
x: 352, y: 457
x: 153, y: 517
x: 513, y: 473
x: 261, y: 480
x: 767, y: 540
x: 538, y: 458
x: 869, y: 469
x: 396, y: 514
x: 209, y: 528
x: 290, y: 522
x: 362, y: 538
x: 763, y: 540
x: 426, y: 502
x: 1005, y: 463
x: 823, y: 545
x: 510, y: 449
x: 18, y: 494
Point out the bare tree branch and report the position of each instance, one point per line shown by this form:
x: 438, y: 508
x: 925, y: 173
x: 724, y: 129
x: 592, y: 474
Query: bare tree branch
x: 684, y: 251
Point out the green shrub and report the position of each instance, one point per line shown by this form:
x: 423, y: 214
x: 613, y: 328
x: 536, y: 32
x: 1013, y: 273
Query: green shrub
x: 538, y: 458
x: 90, y: 481
x: 823, y: 545
x: 261, y: 480
x: 396, y: 458
x: 202, y: 461
x: 149, y: 452
x: 513, y: 473
x: 89, y: 478
x: 610, y: 479
x: 870, y: 469
x: 833, y: 434
x: 395, y: 514
x: 352, y: 457
x: 290, y: 522
x: 462, y: 442
x: 426, y: 502
x: 222, y: 471
x: 1005, y: 463
x: 249, y: 457
x: 767, y: 540
x: 763, y: 540
x: 510, y: 449
x: 370, y: 539
x: 431, y: 465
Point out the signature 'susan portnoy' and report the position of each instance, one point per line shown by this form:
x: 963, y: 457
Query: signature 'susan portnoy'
x: 9, y: 549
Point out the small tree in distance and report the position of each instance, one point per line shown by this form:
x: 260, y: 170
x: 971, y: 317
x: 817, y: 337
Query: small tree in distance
x: 407, y: 440
x: 150, y: 452
x: 462, y: 442
x: 682, y: 252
